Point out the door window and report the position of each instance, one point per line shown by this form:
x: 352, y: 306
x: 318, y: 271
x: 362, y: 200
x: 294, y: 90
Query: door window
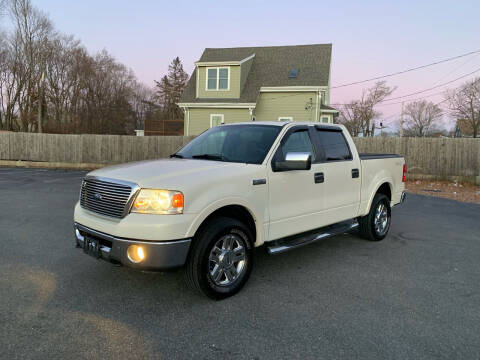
x: 299, y: 141
x: 334, y: 145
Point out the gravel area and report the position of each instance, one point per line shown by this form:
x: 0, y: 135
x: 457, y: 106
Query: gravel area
x: 454, y: 190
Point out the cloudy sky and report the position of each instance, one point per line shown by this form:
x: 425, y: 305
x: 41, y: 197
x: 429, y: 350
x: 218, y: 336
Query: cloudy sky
x: 369, y: 38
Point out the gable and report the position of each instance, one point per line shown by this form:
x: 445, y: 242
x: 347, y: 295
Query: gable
x: 269, y: 67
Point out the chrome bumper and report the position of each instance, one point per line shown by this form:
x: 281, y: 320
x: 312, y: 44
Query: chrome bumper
x: 159, y: 255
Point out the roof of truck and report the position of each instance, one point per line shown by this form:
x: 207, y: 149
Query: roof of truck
x: 283, y: 123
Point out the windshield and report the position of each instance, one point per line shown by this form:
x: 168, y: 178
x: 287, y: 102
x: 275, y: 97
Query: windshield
x: 235, y: 143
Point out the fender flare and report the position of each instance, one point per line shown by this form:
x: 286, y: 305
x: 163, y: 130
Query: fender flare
x: 234, y: 201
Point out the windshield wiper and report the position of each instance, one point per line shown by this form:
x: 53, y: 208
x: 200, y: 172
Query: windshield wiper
x: 175, y: 155
x: 208, y: 157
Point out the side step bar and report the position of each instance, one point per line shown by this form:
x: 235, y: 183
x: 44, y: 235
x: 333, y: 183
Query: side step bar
x: 296, y: 241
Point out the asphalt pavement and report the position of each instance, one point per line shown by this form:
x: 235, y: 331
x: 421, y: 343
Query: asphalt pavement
x: 415, y: 295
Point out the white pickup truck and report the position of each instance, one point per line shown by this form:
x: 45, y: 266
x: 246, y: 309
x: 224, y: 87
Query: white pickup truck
x: 233, y: 188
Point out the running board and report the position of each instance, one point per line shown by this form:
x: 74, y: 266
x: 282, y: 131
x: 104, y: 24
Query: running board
x: 296, y: 241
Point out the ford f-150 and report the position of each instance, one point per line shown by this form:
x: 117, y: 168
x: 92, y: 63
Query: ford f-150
x: 231, y: 189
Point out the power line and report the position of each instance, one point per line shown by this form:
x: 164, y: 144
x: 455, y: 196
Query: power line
x: 424, y: 90
x: 455, y: 70
x: 405, y: 71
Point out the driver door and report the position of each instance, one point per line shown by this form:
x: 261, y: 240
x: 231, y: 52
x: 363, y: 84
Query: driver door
x: 295, y: 197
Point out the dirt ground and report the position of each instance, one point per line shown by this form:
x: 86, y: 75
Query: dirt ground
x: 460, y: 191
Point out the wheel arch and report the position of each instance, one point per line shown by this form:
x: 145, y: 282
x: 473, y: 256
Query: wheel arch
x: 237, y: 210
x: 383, y: 187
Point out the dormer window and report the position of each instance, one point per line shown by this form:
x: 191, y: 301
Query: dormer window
x: 218, y: 78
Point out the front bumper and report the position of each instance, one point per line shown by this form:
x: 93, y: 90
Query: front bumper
x: 159, y: 255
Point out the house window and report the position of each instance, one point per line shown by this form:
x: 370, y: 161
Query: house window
x: 218, y: 78
x: 325, y: 119
x: 285, y: 118
x: 216, y: 119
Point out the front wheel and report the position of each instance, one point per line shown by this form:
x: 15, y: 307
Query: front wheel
x: 375, y: 225
x: 221, y: 258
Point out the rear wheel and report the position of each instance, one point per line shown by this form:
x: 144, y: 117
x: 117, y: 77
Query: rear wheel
x: 221, y: 258
x: 376, y: 224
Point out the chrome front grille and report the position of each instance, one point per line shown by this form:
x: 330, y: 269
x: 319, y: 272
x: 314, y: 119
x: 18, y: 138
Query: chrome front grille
x: 106, y: 197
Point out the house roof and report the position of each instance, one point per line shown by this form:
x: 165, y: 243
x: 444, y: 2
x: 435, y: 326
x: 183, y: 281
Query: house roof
x: 270, y: 67
x: 326, y: 107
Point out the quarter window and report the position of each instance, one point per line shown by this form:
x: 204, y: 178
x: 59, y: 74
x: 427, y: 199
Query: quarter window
x: 334, y: 145
x: 218, y: 78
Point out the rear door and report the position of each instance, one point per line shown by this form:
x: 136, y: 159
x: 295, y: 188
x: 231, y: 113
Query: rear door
x: 341, y: 172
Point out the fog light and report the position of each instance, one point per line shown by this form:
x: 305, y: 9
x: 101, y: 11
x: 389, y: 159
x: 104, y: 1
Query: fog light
x: 135, y: 253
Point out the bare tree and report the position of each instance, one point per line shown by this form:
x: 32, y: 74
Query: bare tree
x: 49, y: 82
x: 358, y: 116
x: 350, y: 116
x: 464, y: 104
x: 422, y: 118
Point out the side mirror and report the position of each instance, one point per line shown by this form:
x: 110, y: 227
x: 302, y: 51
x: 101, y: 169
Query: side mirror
x: 294, y: 161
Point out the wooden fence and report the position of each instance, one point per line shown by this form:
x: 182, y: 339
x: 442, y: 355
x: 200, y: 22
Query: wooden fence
x: 91, y: 149
x: 434, y: 157
x: 439, y: 158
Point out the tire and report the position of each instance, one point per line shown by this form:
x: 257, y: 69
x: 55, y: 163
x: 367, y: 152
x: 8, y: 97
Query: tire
x: 216, y: 256
x: 368, y: 228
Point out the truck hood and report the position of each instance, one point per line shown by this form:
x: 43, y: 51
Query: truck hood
x: 162, y: 172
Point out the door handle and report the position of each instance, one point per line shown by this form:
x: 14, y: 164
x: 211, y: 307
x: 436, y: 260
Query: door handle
x: 355, y: 173
x: 319, y: 178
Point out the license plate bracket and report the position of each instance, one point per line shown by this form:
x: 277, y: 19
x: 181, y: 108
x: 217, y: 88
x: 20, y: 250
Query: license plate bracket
x: 91, y: 246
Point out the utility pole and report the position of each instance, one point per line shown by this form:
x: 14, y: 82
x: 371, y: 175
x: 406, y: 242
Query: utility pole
x: 40, y: 101
x: 401, y: 122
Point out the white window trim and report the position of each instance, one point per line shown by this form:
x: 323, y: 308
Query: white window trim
x: 326, y: 117
x: 220, y: 115
x: 285, y: 118
x: 218, y: 78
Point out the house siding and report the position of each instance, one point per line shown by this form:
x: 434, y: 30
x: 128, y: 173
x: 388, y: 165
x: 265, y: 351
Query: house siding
x: 200, y: 118
x: 233, y: 93
x: 272, y: 105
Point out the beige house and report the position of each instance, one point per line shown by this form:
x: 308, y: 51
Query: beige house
x: 275, y: 83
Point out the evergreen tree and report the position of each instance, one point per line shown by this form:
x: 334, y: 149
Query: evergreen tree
x: 169, y: 89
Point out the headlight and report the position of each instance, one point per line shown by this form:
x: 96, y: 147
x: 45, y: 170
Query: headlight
x: 150, y: 201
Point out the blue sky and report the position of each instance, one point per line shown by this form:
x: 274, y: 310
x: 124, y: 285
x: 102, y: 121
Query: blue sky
x: 369, y: 38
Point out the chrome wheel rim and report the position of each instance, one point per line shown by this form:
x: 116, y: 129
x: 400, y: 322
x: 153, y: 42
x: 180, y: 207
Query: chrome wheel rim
x: 227, y: 260
x: 381, y: 219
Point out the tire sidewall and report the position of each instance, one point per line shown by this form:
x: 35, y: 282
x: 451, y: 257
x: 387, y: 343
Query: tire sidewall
x: 209, y: 238
x: 380, y: 199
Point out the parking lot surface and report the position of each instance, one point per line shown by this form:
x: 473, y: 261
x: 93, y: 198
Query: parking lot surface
x: 414, y: 295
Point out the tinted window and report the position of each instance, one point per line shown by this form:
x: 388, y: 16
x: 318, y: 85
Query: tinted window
x: 334, y: 145
x: 298, y: 142
x: 232, y: 143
